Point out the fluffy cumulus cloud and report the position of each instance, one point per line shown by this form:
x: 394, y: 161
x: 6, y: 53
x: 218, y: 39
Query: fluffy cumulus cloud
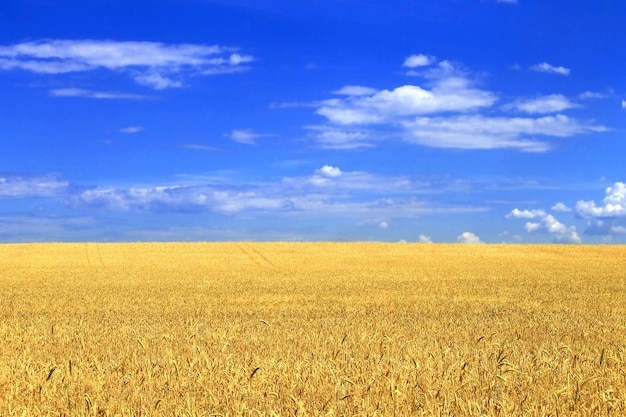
x: 550, y: 69
x: 22, y: 186
x: 613, y: 204
x: 153, y: 64
x: 468, y: 237
x: 329, y: 171
x: 561, y: 207
x: 608, y: 216
x: 448, y: 110
x: 407, y: 100
x: 420, y: 60
x: 546, y: 223
x: 425, y: 239
x: 526, y: 214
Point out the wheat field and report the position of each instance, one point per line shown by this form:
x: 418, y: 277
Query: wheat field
x: 312, y: 329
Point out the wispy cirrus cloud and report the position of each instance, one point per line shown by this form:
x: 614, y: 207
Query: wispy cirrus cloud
x: 23, y: 186
x: 246, y: 136
x: 481, y: 132
x: 153, y: 64
x: 328, y: 191
x: 549, y: 68
x: 103, y: 95
x: 132, y: 129
x: 200, y: 147
x: 327, y: 137
x: 552, y: 103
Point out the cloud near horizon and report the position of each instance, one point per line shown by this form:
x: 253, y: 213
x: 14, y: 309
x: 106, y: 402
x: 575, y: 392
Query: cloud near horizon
x: 328, y: 191
x: 609, y: 216
x: 547, y: 224
x: 468, y: 237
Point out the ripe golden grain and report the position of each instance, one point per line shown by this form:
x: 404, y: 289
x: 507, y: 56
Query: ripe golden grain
x: 312, y: 329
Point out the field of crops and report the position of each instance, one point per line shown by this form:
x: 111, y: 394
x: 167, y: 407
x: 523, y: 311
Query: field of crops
x: 358, y: 329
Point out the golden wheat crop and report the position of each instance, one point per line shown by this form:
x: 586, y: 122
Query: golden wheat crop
x: 280, y: 329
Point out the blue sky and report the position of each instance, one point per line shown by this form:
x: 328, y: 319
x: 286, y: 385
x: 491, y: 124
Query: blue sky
x: 182, y: 120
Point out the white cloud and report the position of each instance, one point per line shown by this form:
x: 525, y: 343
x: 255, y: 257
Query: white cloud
x: 337, y: 138
x: 445, y: 112
x: 479, y: 132
x: 329, y: 171
x: 553, y: 103
x: 178, y: 198
x: 23, y: 186
x: 507, y: 1
x: 236, y: 59
x: 613, y: 204
x: 420, y: 60
x: 246, y: 136
x: 307, y: 201
x: 383, y: 225
x: 355, y: 90
x: 551, y: 69
x: 623, y: 104
x: 326, y: 193
x: 590, y: 95
x: 199, y: 147
x: 561, y: 207
x: 329, y: 177
x: 132, y: 129
x: 425, y: 239
x: 549, y: 224
x: 605, y: 227
x: 546, y: 224
x: 526, y: 214
x: 407, y: 100
x: 107, y: 95
x: 468, y: 237
x: 157, y: 81
x: 149, y: 63
x: 621, y: 230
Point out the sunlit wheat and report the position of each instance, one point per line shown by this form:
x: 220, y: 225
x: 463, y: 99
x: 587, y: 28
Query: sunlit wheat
x: 284, y: 329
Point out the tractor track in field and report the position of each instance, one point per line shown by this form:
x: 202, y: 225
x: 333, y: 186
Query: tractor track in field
x: 94, y: 256
x: 257, y: 257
